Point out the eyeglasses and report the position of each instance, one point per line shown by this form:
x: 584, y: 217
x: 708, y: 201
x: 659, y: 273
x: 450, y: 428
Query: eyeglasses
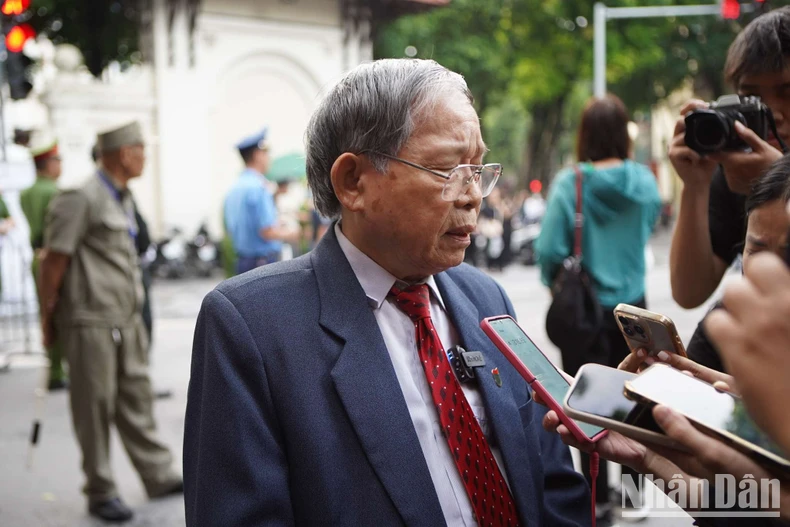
x: 458, y: 178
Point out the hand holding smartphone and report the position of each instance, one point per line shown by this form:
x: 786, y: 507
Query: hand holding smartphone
x: 597, y: 397
x: 539, y: 372
x: 644, y: 329
x: 718, y: 413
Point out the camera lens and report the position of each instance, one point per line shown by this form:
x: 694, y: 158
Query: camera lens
x: 640, y: 330
x: 711, y: 132
x: 708, y: 130
x: 628, y: 331
x: 623, y: 321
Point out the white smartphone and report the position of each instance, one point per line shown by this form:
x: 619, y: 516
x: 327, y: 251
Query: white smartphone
x: 596, y: 397
x: 718, y: 413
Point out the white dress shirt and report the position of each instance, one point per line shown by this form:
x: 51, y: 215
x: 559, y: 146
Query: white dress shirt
x: 399, y: 337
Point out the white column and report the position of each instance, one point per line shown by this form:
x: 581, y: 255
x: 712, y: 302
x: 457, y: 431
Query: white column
x: 181, y: 37
x: 161, y: 57
x: 599, y: 49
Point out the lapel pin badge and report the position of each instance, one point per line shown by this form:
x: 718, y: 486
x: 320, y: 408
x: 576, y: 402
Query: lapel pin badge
x: 497, y: 378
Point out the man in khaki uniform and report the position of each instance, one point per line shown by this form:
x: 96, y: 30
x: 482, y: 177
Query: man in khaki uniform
x: 92, y: 295
x: 34, y: 201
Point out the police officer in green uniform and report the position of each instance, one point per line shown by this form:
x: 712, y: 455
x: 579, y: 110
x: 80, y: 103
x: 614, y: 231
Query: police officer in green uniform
x: 93, y: 295
x: 34, y: 201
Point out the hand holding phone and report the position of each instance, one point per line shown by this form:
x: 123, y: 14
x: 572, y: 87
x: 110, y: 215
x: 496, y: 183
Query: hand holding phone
x: 720, y: 380
x: 596, y: 397
x: 539, y: 372
x: 719, y: 413
x: 651, y: 331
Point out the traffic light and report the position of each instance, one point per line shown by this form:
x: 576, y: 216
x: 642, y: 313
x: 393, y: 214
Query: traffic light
x: 14, y: 7
x: 730, y: 9
x: 17, y: 69
x: 17, y: 36
x: 17, y: 64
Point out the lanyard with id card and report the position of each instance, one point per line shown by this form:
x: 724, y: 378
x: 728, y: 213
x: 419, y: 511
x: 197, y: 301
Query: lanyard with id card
x: 116, y: 194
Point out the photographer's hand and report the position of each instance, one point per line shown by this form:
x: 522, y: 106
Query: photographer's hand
x: 694, y: 169
x: 742, y: 168
x: 695, y: 271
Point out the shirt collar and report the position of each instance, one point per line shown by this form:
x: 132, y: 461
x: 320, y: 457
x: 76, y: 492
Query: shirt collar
x: 251, y: 172
x: 374, y: 279
x: 43, y: 178
x: 112, y: 182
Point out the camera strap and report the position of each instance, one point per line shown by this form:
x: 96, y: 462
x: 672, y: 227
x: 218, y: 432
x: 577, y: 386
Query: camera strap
x: 772, y: 124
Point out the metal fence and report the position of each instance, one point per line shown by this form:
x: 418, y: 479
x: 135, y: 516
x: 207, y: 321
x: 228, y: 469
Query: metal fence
x: 20, y: 335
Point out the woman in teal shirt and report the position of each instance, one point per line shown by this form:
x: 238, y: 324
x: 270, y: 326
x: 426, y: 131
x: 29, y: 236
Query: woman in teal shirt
x: 620, y: 203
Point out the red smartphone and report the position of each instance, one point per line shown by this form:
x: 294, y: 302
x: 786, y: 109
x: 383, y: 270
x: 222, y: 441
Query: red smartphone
x: 539, y: 372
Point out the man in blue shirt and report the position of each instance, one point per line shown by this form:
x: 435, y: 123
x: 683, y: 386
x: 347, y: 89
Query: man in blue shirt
x: 250, y: 212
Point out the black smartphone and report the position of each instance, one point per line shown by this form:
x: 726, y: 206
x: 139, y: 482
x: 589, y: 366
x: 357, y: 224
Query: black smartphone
x: 596, y: 397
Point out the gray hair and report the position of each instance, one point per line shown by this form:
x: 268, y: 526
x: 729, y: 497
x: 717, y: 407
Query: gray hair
x: 375, y: 107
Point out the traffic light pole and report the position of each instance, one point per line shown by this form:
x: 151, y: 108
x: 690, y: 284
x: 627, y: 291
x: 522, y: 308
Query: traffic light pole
x: 601, y: 14
x: 3, y: 58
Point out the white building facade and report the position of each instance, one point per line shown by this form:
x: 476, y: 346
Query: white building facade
x: 245, y: 65
x: 218, y: 70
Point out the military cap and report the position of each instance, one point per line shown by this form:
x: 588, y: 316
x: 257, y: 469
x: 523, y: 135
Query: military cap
x: 257, y: 140
x: 127, y: 135
x: 42, y: 146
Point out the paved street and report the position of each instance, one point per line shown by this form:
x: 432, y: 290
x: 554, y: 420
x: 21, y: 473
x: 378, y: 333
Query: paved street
x: 48, y: 494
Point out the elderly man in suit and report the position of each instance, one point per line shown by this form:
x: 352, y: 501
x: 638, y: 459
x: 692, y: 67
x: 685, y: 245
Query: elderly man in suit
x: 321, y: 393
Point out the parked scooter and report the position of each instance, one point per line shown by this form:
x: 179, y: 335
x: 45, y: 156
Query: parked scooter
x: 202, y: 255
x: 522, y: 242
x: 527, y: 229
x: 170, y: 260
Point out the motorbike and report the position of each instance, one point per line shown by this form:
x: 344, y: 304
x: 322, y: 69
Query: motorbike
x: 526, y: 230
x: 522, y: 242
x: 175, y: 256
x: 202, y: 254
x: 170, y: 256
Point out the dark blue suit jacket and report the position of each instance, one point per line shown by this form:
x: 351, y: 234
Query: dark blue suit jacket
x: 295, y: 415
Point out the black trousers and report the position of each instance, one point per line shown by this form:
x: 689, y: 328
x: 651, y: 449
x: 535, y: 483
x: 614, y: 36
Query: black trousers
x: 610, y: 350
x: 148, y: 318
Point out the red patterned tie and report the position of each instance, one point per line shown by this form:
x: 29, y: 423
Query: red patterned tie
x: 484, y: 483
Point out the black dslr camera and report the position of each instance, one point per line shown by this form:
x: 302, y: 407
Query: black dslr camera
x: 712, y: 129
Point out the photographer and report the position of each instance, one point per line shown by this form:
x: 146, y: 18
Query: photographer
x: 710, y: 227
x: 766, y: 231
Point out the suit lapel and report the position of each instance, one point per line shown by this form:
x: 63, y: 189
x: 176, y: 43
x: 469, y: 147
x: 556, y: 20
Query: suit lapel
x: 368, y: 388
x: 502, y: 410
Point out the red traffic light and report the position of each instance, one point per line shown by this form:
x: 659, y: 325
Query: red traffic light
x: 14, y: 7
x: 16, y: 38
x: 730, y: 9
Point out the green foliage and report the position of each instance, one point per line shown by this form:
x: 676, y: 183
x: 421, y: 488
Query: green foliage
x: 506, y: 133
x: 534, y: 58
x: 104, y: 30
